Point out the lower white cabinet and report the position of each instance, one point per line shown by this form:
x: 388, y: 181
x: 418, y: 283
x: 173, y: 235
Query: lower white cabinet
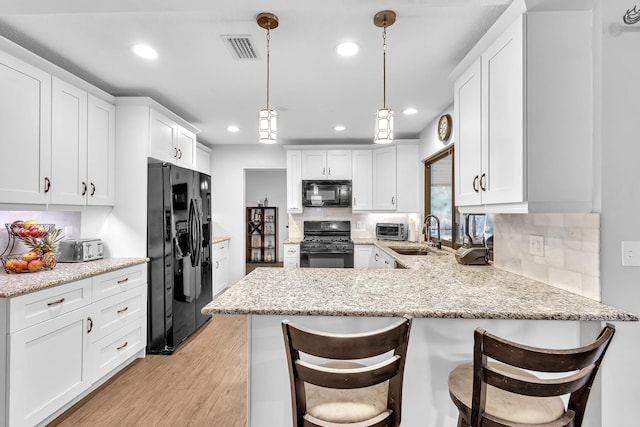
x: 362, y: 256
x: 220, y: 266
x: 291, y: 255
x: 60, y: 341
x: 381, y: 259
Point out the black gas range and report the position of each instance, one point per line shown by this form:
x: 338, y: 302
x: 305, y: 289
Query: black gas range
x: 327, y: 244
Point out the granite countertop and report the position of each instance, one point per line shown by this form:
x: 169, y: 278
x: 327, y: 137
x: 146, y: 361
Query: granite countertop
x: 218, y: 239
x: 431, y: 286
x: 14, y: 284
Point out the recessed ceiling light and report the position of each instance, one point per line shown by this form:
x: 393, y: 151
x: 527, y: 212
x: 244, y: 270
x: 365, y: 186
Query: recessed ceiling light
x: 347, y: 48
x: 409, y: 111
x: 233, y: 129
x: 339, y: 128
x: 144, y: 51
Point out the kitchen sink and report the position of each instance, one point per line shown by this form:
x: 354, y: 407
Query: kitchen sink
x: 412, y: 251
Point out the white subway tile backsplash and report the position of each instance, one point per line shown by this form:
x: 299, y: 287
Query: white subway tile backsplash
x: 571, y: 250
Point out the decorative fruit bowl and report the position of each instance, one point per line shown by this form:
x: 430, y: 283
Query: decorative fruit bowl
x: 29, y: 262
x: 23, y: 229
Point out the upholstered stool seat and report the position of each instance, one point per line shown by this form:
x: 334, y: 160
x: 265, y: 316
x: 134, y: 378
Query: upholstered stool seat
x: 499, y: 388
x: 346, y: 406
x: 503, y: 404
x: 339, y: 389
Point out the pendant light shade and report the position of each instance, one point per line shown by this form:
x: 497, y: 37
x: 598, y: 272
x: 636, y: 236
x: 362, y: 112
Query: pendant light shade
x: 268, y: 118
x: 383, y: 133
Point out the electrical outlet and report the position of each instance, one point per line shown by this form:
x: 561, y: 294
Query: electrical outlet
x: 631, y: 254
x: 359, y: 225
x: 536, y: 245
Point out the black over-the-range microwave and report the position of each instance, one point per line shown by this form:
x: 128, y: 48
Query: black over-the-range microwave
x: 326, y: 193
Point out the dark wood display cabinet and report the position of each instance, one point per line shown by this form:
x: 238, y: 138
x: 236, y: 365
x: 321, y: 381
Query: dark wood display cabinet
x: 262, y: 237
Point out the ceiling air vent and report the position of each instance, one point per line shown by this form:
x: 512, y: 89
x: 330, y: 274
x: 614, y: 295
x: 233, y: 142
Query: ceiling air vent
x: 241, y: 47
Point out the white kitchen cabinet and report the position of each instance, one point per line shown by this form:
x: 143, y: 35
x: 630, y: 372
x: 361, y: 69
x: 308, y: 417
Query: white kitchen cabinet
x: 361, y: 185
x: 362, y: 256
x: 382, y: 259
x: 48, y: 367
x: 294, y: 181
x: 68, y: 144
x: 384, y: 179
x: 291, y: 257
x: 82, y: 147
x: 536, y: 115
x: 468, y: 130
x: 64, y: 340
x: 220, y: 266
x: 25, y: 139
x: 326, y: 164
x: 170, y: 142
x: 408, y: 167
x: 203, y: 158
x: 101, y: 143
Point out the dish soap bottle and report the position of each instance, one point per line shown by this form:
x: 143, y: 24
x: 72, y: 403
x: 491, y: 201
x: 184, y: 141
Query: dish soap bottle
x: 266, y: 202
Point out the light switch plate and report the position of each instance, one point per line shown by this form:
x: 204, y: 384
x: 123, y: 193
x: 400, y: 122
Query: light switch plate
x: 631, y: 254
x: 536, y: 245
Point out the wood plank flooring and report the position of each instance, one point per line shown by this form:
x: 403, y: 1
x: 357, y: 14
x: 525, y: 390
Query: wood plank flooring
x: 204, y: 383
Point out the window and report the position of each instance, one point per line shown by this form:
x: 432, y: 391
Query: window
x: 439, y: 196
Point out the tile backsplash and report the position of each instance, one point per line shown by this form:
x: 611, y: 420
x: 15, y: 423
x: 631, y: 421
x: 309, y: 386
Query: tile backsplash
x: 363, y: 225
x: 571, y: 259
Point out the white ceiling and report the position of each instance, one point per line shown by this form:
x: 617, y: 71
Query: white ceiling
x: 312, y: 88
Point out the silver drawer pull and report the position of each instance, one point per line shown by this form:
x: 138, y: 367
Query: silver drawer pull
x: 122, y: 310
x: 126, y: 343
x: 125, y: 280
x: 60, y: 301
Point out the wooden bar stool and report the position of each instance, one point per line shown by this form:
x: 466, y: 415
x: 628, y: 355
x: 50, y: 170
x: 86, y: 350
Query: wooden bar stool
x: 336, y: 390
x: 502, y: 393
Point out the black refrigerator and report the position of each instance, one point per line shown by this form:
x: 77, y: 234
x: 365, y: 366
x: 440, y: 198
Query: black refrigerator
x: 179, y: 250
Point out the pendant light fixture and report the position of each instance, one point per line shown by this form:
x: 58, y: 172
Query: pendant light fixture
x: 384, y: 116
x: 268, y: 118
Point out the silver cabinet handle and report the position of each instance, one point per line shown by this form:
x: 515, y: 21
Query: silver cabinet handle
x: 217, y: 265
x: 323, y: 171
x: 377, y: 256
x: 84, y: 188
x: 475, y: 184
x: 126, y: 343
x: 122, y: 310
x: 175, y: 153
x: 393, y: 200
x: 47, y: 184
x: 482, y: 187
x: 354, y: 202
x: 90, y: 321
x: 179, y: 153
x: 329, y: 171
x: 125, y: 280
x: 93, y: 189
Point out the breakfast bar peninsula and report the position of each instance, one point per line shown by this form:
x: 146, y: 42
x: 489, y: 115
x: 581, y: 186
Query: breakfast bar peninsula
x: 447, y: 302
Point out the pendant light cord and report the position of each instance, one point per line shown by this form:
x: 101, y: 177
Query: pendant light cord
x: 384, y: 65
x: 268, y: 60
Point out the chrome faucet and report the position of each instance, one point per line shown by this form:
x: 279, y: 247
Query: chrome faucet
x: 427, y: 231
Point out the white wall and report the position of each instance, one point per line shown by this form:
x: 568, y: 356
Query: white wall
x: 617, y: 133
x: 272, y: 184
x: 228, y: 193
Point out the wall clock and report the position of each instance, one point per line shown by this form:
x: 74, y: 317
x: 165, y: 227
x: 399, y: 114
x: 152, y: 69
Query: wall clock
x: 444, y: 128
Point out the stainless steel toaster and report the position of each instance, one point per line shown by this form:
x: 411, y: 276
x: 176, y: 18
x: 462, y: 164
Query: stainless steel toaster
x: 80, y: 250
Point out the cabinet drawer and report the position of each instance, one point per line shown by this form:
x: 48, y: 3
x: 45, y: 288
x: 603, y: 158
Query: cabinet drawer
x: 113, y: 313
x: 115, y: 282
x: 220, y: 250
x: 111, y: 351
x: 31, y: 309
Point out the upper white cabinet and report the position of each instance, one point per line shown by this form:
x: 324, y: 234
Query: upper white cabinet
x: 361, y: 185
x: 68, y: 144
x: 82, y: 147
x: 523, y: 113
x: 326, y: 164
x: 25, y: 139
x: 101, y: 143
x: 203, y: 158
x: 384, y: 179
x: 407, y: 177
x: 170, y: 142
x: 294, y: 181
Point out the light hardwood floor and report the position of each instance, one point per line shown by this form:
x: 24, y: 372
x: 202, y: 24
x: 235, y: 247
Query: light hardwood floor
x: 204, y: 383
